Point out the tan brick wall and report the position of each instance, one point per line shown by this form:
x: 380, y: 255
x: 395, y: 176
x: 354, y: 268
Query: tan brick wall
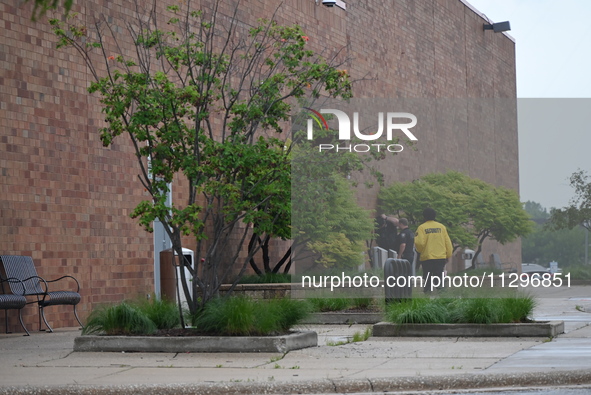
x: 66, y: 200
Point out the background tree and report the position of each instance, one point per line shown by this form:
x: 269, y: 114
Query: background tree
x: 322, y: 217
x: 544, y: 245
x: 408, y: 199
x: 578, y: 212
x: 471, y: 209
x: 327, y: 223
x: 203, y: 103
x: 323, y: 220
x: 536, y: 211
x: 339, y: 232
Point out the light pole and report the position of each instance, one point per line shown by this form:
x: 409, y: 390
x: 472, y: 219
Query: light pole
x: 586, y: 225
x: 586, y: 245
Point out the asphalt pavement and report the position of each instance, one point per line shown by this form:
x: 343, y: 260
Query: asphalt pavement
x: 45, y: 363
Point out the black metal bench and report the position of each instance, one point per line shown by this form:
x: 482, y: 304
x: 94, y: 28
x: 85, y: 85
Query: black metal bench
x: 13, y: 301
x: 23, y: 269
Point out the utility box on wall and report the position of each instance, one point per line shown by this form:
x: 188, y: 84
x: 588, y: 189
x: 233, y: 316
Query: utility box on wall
x: 168, y: 277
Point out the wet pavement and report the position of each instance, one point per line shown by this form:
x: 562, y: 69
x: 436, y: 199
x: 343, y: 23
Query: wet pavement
x: 45, y: 363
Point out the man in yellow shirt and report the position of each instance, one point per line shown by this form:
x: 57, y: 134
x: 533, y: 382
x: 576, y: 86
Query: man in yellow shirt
x: 434, y: 245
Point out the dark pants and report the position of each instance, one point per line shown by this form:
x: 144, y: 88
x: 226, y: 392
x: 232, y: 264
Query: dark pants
x: 432, y: 268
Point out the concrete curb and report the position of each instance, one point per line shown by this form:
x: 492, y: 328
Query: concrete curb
x: 285, y: 343
x: 336, y: 318
x: 533, y: 329
x: 325, y: 386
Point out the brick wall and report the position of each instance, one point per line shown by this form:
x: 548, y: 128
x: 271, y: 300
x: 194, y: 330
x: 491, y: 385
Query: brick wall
x: 66, y: 199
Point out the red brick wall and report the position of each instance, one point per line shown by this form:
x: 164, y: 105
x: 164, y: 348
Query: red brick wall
x: 66, y: 199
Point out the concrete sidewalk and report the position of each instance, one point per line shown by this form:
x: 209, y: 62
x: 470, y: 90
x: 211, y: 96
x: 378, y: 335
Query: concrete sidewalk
x: 45, y: 363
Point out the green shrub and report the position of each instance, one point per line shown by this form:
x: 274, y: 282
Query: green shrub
x: 578, y: 272
x: 163, y: 313
x: 243, y: 316
x: 120, y: 319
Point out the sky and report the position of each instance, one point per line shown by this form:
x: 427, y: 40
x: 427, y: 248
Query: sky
x: 553, y: 57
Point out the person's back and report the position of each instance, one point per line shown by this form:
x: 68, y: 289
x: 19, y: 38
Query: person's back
x: 432, y: 241
x: 387, y: 232
x: 434, y: 245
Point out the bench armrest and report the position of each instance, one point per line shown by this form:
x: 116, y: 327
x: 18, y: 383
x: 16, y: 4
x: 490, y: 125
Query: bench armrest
x: 14, y: 280
x: 61, y: 278
x: 41, y: 279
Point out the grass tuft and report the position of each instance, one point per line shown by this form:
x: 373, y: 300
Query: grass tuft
x: 517, y: 309
x: 120, y: 319
x: 362, y: 336
x: 479, y: 311
x: 163, y: 313
x: 329, y: 304
x: 417, y: 311
x: 243, y: 316
x: 461, y: 310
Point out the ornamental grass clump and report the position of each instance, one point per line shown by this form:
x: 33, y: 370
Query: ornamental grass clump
x: 417, y: 311
x: 244, y: 316
x: 289, y: 312
x: 517, y: 309
x: 478, y: 311
x: 163, y: 313
x: 362, y: 303
x: 120, y: 319
x: 329, y: 304
x: 461, y: 310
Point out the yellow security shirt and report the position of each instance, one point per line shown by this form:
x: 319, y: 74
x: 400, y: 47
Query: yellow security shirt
x: 432, y: 241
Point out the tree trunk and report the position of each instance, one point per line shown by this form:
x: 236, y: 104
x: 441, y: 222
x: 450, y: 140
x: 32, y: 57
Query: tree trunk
x: 253, y: 264
x: 285, y: 257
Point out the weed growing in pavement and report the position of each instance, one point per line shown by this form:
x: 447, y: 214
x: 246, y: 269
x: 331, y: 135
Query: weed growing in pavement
x: 278, y: 358
x: 361, y: 337
x: 357, y: 337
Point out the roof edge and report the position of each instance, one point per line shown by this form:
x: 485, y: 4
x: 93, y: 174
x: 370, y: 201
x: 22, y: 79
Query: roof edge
x: 483, y: 16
